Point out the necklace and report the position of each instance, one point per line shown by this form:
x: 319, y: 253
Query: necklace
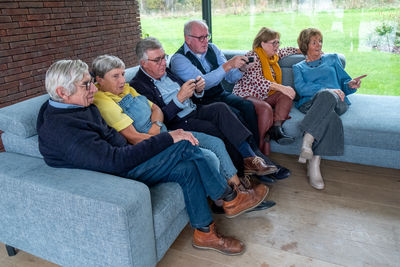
x: 314, y: 65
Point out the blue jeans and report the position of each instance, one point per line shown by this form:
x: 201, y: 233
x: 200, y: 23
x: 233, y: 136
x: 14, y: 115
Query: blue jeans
x: 185, y: 164
x: 138, y: 109
x: 216, y: 145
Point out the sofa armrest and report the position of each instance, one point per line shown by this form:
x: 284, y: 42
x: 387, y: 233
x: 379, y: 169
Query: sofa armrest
x: 74, y: 217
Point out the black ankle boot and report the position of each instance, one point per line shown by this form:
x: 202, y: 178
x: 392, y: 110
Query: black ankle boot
x: 276, y: 133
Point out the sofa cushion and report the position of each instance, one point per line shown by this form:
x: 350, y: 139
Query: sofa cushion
x: 21, y: 145
x: 366, y: 125
x: 20, y: 118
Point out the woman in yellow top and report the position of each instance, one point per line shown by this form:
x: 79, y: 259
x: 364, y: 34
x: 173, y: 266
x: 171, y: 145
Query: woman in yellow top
x: 137, y: 118
x: 262, y: 84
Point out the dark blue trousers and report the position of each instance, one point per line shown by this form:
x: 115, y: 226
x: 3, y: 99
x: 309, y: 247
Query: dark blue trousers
x: 184, y: 164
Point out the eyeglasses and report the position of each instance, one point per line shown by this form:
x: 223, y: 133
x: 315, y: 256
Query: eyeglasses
x: 202, y: 38
x: 274, y: 43
x: 158, y: 60
x: 89, y: 83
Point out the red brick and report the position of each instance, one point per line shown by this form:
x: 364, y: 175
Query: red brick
x: 4, y: 19
x: 19, y: 63
x: 38, y: 17
x: 22, y: 44
x: 9, y: 73
x: 15, y: 96
x: 25, y: 56
x: 10, y: 85
x: 5, y: 59
x: 34, y: 11
x: 25, y: 81
x: 8, y: 5
x: 17, y: 77
x: 43, y: 29
x: 11, y: 52
x: 14, y: 38
x: 75, y: 3
x: 11, y: 25
x: 33, y: 23
x: 3, y: 66
x: 19, y: 31
x: 38, y: 36
x: 60, y: 15
x: 41, y: 65
x: 48, y: 58
x: 53, y: 4
x: 31, y: 4
x: 18, y: 11
x: 64, y: 10
x: 31, y: 85
x: 17, y: 18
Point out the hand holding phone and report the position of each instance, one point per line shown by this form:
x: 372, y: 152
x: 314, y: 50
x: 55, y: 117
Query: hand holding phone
x: 360, y: 77
x: 251, y: 59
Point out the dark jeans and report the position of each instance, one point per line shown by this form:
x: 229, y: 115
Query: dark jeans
x: 322, y: 121
x: 243, y: 109
x: 184, y: 164
x: 217, y: 120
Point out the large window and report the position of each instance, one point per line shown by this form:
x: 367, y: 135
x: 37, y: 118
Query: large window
x: 367, y: 32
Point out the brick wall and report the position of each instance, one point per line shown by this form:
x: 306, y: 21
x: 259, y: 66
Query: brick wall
x: 34, y: 34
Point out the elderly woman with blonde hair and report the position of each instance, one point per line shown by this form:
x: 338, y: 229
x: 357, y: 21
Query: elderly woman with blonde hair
x: 323, y: 85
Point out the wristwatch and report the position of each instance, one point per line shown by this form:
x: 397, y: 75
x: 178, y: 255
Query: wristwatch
x: 158, y: 123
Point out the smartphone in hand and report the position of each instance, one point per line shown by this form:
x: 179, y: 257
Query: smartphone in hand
x: 251, y: 59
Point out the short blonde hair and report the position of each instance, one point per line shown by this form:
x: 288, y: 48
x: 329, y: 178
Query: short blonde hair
x: 265, y: 35
x: 304, y: 38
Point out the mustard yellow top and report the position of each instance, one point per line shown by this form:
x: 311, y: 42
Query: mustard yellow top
x: 112, y: 113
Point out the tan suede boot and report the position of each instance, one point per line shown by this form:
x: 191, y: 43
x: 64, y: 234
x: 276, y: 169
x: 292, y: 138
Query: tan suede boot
x: 306, y: 148
x: 314, y: 173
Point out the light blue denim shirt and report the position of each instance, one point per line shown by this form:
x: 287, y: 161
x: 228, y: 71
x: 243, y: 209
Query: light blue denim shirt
x: 169, y: 91
x: 63, y: 105
x: 181, y: 66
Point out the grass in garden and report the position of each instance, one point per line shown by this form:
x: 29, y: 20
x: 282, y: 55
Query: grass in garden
x: 345, y: 32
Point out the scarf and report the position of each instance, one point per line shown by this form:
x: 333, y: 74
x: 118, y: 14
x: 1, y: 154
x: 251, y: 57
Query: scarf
x: 266, y: 64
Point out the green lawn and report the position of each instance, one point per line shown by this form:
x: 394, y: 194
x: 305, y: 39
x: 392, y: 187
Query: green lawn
x: 344, y: 32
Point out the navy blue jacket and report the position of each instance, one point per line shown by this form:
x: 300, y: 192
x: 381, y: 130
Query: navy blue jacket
x: 80, y: 138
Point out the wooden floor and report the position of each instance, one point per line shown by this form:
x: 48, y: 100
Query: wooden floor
x: 355, y: 221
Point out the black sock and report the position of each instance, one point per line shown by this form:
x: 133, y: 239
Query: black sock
x: 229, y: 194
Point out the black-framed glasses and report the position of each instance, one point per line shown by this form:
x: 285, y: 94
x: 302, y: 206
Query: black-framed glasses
x: 202, y: 38
x: 89, y: 83
x: 158, y: 60
x: 275, y: 43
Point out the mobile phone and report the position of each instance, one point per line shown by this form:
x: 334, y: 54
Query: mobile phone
x: 251, y: 59
x: 360, y: 77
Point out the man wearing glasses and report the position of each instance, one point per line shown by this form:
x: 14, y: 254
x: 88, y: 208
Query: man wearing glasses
x: 155, y: 81
x: 197, y: 57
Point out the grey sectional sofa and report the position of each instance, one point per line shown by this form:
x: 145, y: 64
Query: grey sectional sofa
x: 83, y: 218
x: 78, y: 217
x: 371, y: 125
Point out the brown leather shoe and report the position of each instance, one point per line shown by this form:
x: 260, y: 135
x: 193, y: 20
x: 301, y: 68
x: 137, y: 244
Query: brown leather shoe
x: 246, y: 199
x: 214, y: 241
x: 256, y: 165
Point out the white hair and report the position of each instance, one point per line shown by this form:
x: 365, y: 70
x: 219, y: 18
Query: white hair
x: 103, y: 64
x: 187, y: 29
x: 65, y: 73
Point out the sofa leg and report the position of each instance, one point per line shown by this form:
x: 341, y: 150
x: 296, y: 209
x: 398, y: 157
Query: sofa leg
x: 11, y: 251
